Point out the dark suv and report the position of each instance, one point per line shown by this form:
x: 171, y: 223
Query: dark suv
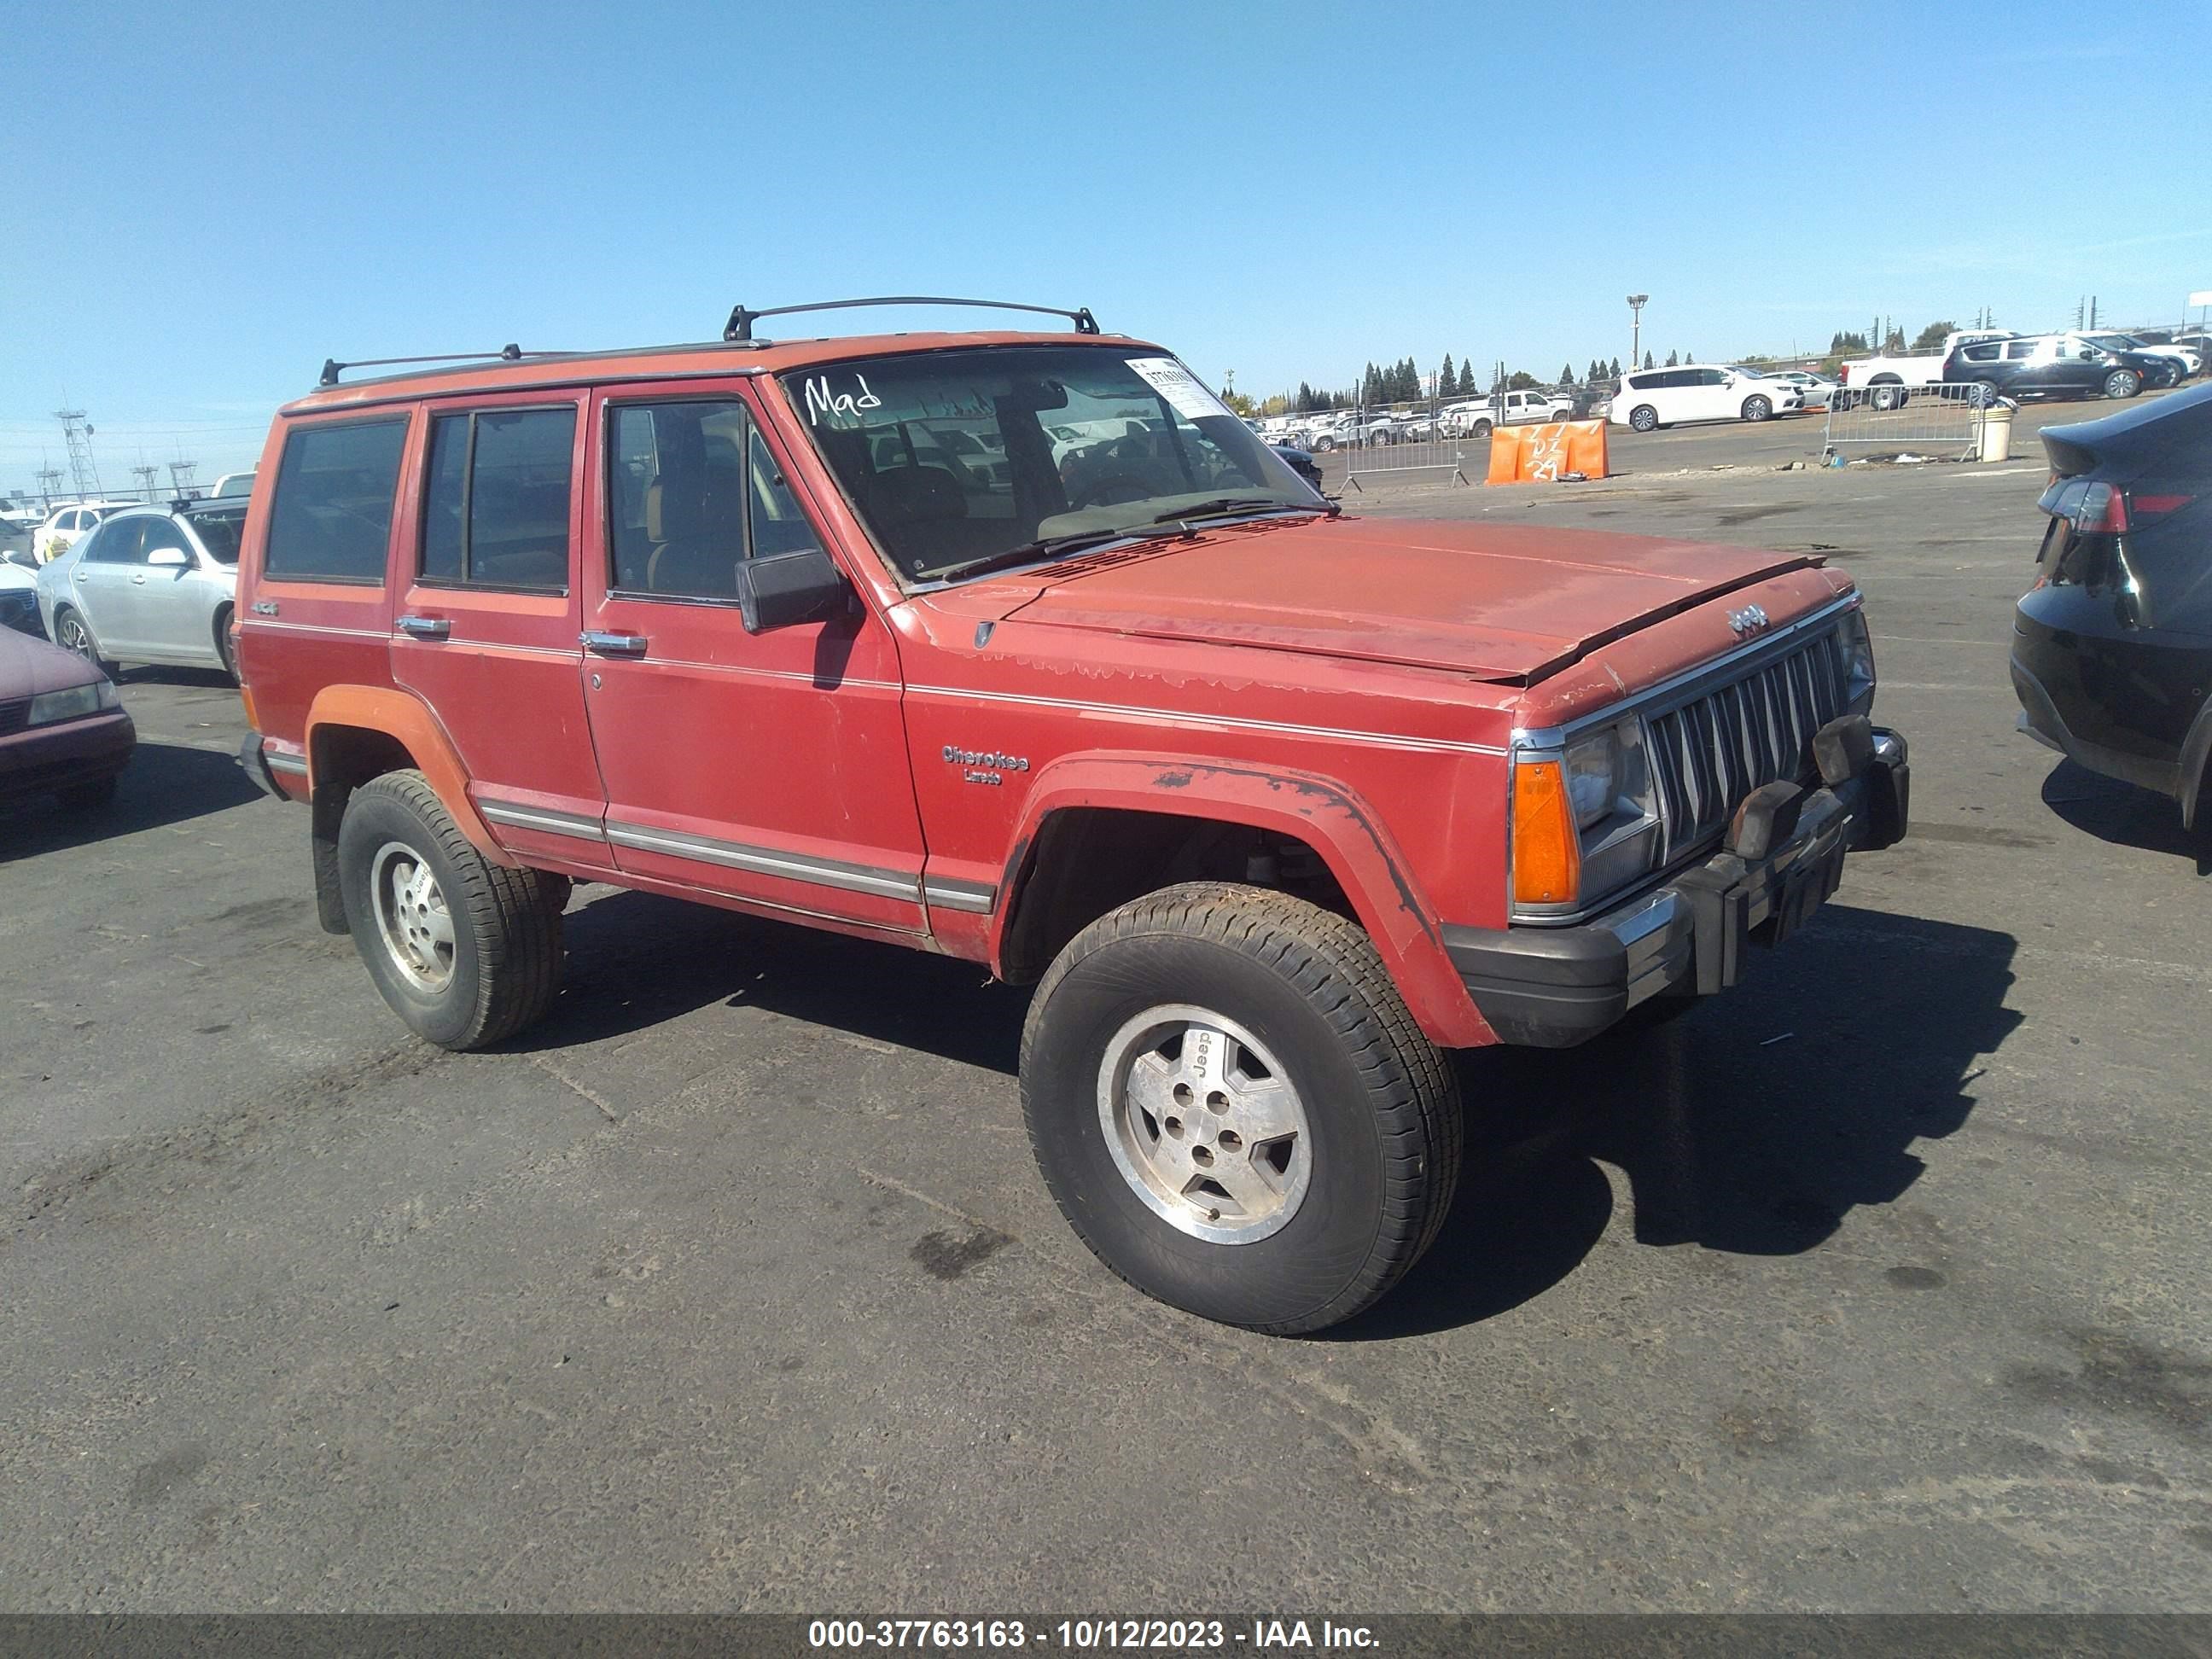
x: 2052, y: 365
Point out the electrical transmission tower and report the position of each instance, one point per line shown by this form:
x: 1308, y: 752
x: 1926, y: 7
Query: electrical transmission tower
x: 78, y: 435
x: 146, y: 475
x: 50, y: 479
x: 180, y: 475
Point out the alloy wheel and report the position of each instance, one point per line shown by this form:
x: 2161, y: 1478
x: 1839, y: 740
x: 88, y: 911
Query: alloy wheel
x: 1205, y: 1125
x: 411, y: 917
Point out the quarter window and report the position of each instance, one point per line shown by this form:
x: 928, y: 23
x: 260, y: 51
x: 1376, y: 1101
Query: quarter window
x: 693, y: 492
x: 496, y: 512
x: 332, y: 517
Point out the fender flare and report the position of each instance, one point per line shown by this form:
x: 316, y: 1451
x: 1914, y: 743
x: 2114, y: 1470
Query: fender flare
x: 1349, y: 837
x: 408, y: 720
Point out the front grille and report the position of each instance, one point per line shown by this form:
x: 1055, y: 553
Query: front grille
x: 1708, y: 753
x: 15, y: 715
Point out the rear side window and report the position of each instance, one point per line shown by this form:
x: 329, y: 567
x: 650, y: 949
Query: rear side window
x: 331, y: 519
x: 121, y: 542
x: 496, y: 512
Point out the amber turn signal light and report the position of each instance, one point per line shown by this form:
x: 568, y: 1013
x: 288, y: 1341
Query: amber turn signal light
x: 1547, y: 859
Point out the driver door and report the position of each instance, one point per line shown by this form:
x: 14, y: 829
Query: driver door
x: 769, y: 767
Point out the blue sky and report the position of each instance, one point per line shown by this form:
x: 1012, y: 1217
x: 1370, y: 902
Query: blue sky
x: 207, y: 204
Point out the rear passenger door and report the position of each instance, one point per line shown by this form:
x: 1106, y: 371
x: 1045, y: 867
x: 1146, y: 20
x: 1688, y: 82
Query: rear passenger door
x: 769, y: 767
x: 486, y: 623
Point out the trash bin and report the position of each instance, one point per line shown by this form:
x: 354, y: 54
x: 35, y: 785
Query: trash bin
x: 1994, y: 438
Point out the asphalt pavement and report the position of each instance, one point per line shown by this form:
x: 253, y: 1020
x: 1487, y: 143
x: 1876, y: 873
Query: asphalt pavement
x: 1876, y: 1283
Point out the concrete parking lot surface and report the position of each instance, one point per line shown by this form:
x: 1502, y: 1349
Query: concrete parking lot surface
x: 1877, y: 1283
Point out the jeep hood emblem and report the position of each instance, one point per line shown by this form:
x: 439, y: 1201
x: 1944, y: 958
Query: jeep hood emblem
x: 1749, y: 620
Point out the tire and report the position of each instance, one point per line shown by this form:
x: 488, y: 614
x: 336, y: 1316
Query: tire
x: 2122, y: 383
x: 1480, y: 429
x: 225, y: 647
x: 1887, y: 396
x: 1644, y: 418
x: 1350, y: 1193
x: 1757, y: 409
x: 74, y: 634
x: 1982, y: 393
x: 1324, y: 445
x: 497, y: 967
x: 90, y: 797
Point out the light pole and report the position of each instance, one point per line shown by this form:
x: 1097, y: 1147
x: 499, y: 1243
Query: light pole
x: 1635, y: 327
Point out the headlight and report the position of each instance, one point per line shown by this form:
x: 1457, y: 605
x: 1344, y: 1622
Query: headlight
x: 1858, y: 657
x: 73, y: 704
x: 1584, y: 824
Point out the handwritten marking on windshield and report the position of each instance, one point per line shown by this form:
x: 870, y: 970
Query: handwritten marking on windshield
x: 845, y: 405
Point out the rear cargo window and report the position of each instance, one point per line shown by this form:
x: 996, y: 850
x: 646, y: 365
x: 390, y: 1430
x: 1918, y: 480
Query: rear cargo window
x: 496, y: 514
x: 332, y: 517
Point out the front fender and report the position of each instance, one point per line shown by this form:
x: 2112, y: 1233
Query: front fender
x: 1331, y: 818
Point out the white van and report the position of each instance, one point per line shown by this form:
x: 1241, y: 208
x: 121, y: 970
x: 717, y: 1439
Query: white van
x: 1654, y: 397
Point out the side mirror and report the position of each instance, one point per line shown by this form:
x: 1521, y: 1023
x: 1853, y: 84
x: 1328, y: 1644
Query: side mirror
x: 788, y: 588
x: 168, y: 559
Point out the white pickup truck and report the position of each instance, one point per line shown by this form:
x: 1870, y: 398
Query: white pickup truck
x: 1887, y: 382
x: 1476, y: 418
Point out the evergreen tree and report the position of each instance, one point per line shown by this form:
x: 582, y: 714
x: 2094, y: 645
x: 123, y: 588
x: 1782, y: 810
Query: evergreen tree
x: 1567, y: 375
x: 1467, y: 385
x: 1670, y: 360
x: 1613, y: 373
x: 1447, y: 378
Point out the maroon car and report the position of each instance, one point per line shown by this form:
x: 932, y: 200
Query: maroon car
x: 61, y: 730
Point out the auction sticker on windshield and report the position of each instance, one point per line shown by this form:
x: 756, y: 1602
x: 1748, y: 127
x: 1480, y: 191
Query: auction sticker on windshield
x: 1185, y: 394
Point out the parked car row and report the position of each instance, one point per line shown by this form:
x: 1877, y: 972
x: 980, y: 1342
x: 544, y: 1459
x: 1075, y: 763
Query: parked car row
x: 148, y: 585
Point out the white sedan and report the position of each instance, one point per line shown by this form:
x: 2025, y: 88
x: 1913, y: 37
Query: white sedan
x: 149, y: 586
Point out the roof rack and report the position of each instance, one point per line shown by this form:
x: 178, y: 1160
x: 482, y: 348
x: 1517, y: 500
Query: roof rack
x: 508, y: 353
x: 740, y: 325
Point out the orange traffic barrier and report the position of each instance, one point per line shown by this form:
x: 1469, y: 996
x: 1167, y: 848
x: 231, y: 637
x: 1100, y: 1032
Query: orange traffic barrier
x: 1543, y: 455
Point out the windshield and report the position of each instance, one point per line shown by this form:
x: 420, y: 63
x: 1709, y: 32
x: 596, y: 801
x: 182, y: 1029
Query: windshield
x: 219, y: 532
x: 961, y: 460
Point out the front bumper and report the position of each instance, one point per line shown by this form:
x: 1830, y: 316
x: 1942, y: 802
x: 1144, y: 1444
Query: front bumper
x: 67, y: 755
x: 1552, y: 987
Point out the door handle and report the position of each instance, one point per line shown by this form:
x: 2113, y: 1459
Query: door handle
x: 137, y: 581
x: 614, y: 645
x: 425, y: 628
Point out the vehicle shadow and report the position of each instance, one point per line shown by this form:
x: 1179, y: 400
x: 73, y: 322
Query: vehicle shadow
x: 2124, y: 814
x: 637, y: 959
x: 1752, y: 1124
x: 165, y: 784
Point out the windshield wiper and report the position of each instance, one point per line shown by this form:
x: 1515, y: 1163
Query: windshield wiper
x: 1221, y: 506
x: 1037, y: 552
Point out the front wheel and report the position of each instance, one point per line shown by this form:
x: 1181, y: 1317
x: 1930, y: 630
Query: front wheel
x: 1757, y: 409
x: 74, y: 634
x: 465, y: 951
x: 1235, y: 1111
x: 1644, y: 418
x: 2122, y: 383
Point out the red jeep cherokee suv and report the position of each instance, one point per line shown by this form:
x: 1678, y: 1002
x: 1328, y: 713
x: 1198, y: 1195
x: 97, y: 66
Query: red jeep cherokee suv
x: 1021, y: 647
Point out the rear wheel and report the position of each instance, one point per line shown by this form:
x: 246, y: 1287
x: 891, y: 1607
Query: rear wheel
x: 1644, y: 418
x: 225, y: 646
x: 466, y: 951
x: 1757, y: 409
x: 1235, y: 1111
x: 1888, y: 396
x: 2122, y: 383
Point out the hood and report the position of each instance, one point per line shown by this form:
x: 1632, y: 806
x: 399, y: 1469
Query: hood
x: 28, y: 666
x: 1508, y: 604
